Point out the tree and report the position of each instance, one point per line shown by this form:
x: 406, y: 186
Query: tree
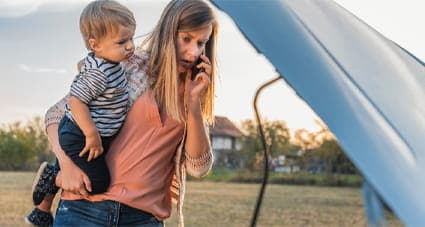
x: 250, y: 143
x: 277, y: 139
x: 23, y: 147
x: 322, y: 152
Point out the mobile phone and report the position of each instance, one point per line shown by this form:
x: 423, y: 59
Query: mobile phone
x: 195, y: 70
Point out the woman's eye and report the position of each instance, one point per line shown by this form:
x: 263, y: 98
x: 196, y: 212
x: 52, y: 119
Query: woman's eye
x: 186, y: 39
x: 201, y: 44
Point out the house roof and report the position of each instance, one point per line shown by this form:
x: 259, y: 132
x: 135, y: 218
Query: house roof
x: 224, y: 127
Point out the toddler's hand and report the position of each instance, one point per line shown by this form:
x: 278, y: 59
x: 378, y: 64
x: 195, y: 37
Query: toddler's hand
x: 93, y: 146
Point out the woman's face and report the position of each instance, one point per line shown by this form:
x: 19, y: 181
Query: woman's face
x: 190, y: 45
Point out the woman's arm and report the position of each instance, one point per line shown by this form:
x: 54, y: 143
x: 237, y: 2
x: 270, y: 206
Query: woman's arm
x: 198, y: 153
x: 55, y: 113
x: 199, y: 156
x: 76, y: 180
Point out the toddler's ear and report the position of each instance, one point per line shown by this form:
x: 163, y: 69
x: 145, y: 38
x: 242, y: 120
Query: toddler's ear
x: 93, y: 44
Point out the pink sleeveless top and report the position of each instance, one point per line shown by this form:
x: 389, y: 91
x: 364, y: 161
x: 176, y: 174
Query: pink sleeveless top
x: 141, y: 159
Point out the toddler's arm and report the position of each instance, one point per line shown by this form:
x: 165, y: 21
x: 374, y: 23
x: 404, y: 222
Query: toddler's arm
x: 80, y: 112
x: 88, y: 86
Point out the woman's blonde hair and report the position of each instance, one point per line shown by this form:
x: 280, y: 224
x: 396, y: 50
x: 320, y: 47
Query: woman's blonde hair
x: 102, y: 17
x: 179, y: 15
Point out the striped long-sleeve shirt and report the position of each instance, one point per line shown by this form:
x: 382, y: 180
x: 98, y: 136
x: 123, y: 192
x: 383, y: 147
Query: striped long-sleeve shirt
x: 102, y: 86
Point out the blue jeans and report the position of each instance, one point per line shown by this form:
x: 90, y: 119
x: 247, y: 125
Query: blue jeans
x: 104, y: 213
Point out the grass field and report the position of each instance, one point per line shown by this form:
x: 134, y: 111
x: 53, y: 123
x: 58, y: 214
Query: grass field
x: 225, y: 204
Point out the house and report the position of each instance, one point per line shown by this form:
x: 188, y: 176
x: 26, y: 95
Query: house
x: 285, y: 163
x: 225, y: 142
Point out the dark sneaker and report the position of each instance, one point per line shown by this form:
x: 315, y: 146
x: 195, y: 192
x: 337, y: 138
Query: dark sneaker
x: 44, y: 182
x: 39, y: 218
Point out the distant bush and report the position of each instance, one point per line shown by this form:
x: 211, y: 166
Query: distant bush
x: 342, y: 180
x: 23, y: 147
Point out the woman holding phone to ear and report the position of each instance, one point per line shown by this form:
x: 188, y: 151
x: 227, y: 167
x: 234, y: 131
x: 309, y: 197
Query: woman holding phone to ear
x: 164, y: 135
x: 195, y: 69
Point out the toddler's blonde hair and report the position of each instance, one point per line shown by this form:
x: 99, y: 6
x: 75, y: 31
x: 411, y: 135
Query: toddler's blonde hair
x: 102, y: 17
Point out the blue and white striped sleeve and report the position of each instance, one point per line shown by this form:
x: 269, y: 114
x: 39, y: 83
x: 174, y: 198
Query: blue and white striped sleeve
x: 89, y: 85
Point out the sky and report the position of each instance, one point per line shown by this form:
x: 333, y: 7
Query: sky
x: 40, y: 45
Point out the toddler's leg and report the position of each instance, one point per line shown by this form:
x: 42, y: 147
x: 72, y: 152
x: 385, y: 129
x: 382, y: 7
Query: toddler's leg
x: 44, y: 182
x: 41, y: 215
x: 72, y: 141
x: 39, y: 218
x: 46, y: 204
x: 43, y: 191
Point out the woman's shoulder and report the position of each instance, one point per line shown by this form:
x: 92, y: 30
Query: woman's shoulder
x: 137, y: 66
x: 139, y: 61
x: 141, y: 53
x: 137, y: 74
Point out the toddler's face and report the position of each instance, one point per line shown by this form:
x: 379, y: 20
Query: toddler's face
x: 117, y: 46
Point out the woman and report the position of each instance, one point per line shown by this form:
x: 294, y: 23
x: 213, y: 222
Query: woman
x: 165, y: 131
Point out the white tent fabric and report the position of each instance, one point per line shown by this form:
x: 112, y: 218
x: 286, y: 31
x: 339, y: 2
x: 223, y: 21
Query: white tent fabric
x: 368, y: 90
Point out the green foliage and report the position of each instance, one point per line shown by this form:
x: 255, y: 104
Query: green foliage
x: 300, y: 178
x: 251, y: 143
x: 337, y: 161
x: 277, y: 139
x: 321, y: 152
x: 23, y: 147
x: 328, y: 158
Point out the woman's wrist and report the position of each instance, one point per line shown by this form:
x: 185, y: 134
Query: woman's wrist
x: 194, y: 107
x: 60, y: 154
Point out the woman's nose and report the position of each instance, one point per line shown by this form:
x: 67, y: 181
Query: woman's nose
x: 195, y: 51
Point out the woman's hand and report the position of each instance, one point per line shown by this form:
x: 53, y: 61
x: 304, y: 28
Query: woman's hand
x: 73, y: 179
x: 195, y: 89
x: 197, y: 142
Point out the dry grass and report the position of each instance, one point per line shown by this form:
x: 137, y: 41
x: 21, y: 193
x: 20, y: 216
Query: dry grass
x: 225, y: 204
x: 229, y: 204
